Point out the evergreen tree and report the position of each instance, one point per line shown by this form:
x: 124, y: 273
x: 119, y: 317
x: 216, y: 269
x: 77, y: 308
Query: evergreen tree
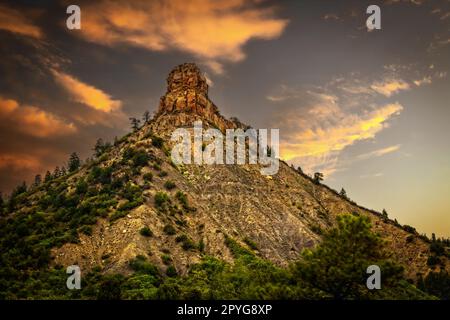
x: 56, y: 173
x: 384, y: 214
x: 2, y: 202
x: 337, y: 266
x: 74, y: 162
x: 146, y: 117
x: 318, y: 177
x: 48, y: 177
x: 343, y: 193
x: 101, y: 147
x: 135, y: 123
x: 63, y: 171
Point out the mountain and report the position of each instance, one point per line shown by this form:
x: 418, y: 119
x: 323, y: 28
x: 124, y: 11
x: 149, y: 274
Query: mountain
x: 132, y: 201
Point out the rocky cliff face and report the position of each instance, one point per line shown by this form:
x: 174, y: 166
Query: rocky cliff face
x: 280, y: 214
x: 186, y: 100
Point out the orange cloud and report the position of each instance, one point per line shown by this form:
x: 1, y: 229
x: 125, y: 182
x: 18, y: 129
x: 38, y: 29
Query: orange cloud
x: 211, y: 30
x: 86, y: 94
x: 15, y: 21
x: 19, y: 161
x: 389, y: 87
x: 33, y: 120
x: 314, y: 139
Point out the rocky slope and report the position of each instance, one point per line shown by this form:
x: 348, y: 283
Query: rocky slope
x: 191, y: 209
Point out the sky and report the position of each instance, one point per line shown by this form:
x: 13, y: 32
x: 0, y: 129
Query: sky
x: 369, y: 109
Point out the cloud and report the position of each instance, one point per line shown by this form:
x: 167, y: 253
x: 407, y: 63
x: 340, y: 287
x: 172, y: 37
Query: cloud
x: 390, y: 87
x: 424, y: 80
x: 15, y: 21
x: 19, y: 161
x: 86, y: 94
x: 314, y: 133
x: 213, y: 31
x: 379, y: 152
x: 32, y: 120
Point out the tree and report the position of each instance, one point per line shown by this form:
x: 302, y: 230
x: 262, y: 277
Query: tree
x: 337, y: 266
x: 37, y: 181
x: 384, y: 214
x: 318, y: 176
x: 146, y: 117
x: 2, y: 202
x: 343, y: 193
x: 56, y: 173
x: 135, y: 124
x: 63, y: 171
x: 101, y: 147
x: 48, y: 177
x: 74, y: 162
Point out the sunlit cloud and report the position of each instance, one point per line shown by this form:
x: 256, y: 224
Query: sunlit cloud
x: 32, y: 120
x: 19, y: 161
x: 390, y: 87
x: 314, y: 135
x: 15, y: 21
x: 425, y: 80
x: 379, y: 152
x: 85, y: 93
x: 214, y: 31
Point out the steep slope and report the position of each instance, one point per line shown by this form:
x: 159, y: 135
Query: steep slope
x: 277, y: 216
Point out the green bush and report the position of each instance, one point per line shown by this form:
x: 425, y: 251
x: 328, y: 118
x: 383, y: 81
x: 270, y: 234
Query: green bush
x: 157, y: 141
x: 171, y: 271
x: 146, y: 232
x: 148, y: 177
x: 140, y: 265
x: 169, y: 185
x: 166, y: 259
x: 169, y: 230
x: 161, y: 198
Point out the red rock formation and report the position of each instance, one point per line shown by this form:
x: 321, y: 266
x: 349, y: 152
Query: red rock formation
x: 187, y: 93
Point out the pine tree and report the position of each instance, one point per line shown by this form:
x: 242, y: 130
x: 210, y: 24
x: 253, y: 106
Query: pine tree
x: 318, y: 176
x: 48, y: 177
x: 74, y: 162
x: 135, y: 124
x: 146, y: 117
x: 63, y: 171
x: 337, y: 266
x: 384, y: 214
x: 343, y: 193
x: 56, y: 173
x: 99, y: 147
x: 37, y: 181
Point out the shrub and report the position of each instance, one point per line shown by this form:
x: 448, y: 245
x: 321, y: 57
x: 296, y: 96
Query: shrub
x: 161, y: 198
x: 169, y: 185
x: 140, y: 159
x: 140, y: 264
x: 146, y: 232
x: 169, y: 230
x: 163, y: 174
x: 433, y: 261
x: 148, y: 177
x: 157, y: 141
x: 166, y: 259
x: 409, y: 229
x: 171, y: 271
x: 86, y: 230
